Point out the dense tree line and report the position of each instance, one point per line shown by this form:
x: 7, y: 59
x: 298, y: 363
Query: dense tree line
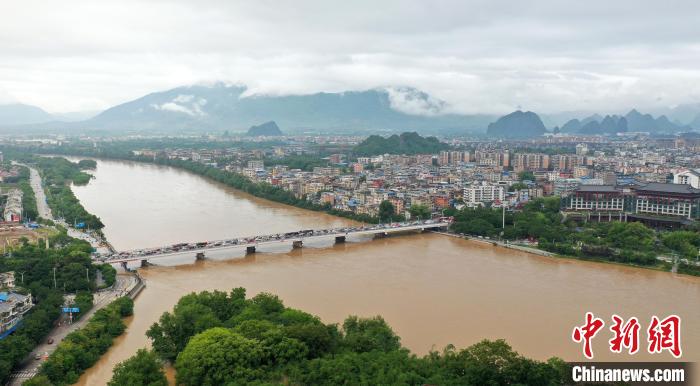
x: 83, y: 347
x: 57, y: 174
x: 109, y: 274
x: 33, y: 266
x: 142, y: 369
x: 294, y: 161
x: 217, y: 338
x: 28, y: 197
x: 234, y: 180
x: 541, y: 220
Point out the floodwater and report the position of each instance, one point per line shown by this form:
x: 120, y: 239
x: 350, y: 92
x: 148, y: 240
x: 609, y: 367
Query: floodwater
x: 432, y: 289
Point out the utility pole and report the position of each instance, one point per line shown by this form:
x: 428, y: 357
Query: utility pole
x: 504, y: 217
x: 54, y: 278
x: 87, y: 275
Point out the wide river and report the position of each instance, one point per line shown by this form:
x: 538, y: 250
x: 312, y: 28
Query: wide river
x: 432, y: 289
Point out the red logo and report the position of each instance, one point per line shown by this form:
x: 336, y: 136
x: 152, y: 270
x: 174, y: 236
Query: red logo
x: 662, y: 335
x: 586, y: 333
x: 625, y: 335
x: 665, y: 335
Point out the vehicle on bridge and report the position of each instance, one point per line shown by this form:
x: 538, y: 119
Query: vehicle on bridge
x: 294, y: 236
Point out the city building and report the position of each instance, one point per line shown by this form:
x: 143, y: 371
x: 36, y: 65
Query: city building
x: 678, y: 200
x: 475, y: 195
x: 687, y: 177
x: 7, y: 280
x: 530, y: 161
x: 13, y: 206
x: 657, y: 204
x: 256, y: 164
x: 13, y: 306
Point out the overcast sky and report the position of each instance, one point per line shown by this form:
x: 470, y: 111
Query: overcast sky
x: 479, y: 56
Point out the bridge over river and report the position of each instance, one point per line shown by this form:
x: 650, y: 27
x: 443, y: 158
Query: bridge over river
x: 250, y: 244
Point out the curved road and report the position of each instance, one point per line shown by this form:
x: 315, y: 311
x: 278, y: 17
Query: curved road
x: 29, y: 367
x: 35, y: 181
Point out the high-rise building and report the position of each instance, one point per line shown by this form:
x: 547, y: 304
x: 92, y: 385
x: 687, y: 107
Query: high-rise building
x: 530, y: 161
x: 475, y: 194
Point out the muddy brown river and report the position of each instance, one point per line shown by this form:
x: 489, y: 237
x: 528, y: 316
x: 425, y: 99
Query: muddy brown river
x: 432, y: 289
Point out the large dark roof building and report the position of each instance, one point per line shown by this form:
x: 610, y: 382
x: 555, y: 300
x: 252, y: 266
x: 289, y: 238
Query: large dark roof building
x: 653, y: 202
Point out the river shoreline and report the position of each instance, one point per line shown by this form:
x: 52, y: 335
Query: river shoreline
x: 433, y: 290
x: 536, y: 251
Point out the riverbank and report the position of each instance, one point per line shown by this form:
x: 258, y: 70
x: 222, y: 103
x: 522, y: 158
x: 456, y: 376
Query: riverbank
x: 96, y: 240
x: 220, y: 176
x: 540, y: 252
x: 433, y: 289
x: 235, y: 180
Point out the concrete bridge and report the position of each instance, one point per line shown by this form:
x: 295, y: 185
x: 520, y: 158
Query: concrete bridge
x: 250, y: 244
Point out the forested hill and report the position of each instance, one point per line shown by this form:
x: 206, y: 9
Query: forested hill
x: 406, y: 143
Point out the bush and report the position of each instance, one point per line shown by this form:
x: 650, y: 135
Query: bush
x: 217, y: 338
x: 142, y: 369
x: 109, y: 274
x: 82, y: 348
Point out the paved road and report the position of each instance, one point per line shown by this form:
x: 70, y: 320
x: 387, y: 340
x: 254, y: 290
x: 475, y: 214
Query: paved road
x: 30, y: 366
x: 35, y: 182
x: 45, y: 211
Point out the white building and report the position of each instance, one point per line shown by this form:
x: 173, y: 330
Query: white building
x: 256, y: 164
x: 480, y: 194
x: 688, y: 177
x: 7, y: 279
x: 13, y: 306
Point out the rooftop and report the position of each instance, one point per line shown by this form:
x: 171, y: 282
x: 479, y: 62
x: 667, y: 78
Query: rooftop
x: 598, y: 188
x: 667, y: 188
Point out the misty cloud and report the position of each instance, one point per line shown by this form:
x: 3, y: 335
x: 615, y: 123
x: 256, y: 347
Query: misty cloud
x: 476, y: 56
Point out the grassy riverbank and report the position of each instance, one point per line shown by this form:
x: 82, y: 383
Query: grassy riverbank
x: 624, y: 243
x: 541, y: 222
x: 231, y: 179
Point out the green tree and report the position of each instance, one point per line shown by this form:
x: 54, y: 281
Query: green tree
x: 526, y: 175
x: 363, y: 335
x: 420, y: 212
x: 39, y: 380
x: 386, y: 211
x: 219, y: 356
x: 684, y: 242
x: 142, y: 369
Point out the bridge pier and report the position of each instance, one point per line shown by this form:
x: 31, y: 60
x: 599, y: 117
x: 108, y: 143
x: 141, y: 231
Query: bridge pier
x: 250, y: 250
x: 339, y: 239
x: 200, y: 256
x: 297, y: 244
x: 144, y: 263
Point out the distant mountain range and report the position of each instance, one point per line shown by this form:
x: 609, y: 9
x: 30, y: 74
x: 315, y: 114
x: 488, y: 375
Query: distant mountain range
x: 21, y: 114
x: 633, y: 121
x: 221, y: 107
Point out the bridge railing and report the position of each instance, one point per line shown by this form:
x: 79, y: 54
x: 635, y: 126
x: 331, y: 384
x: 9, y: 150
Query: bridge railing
x: 241, y: 241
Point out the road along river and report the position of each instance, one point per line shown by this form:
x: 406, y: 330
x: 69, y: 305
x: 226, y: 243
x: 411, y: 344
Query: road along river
x: 433, y: 289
